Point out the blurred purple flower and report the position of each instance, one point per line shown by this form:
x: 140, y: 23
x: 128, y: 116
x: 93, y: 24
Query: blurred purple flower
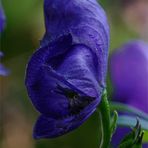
x: 3, y: 70
x: 65, y: 77
x: 129, y: 74
x: 2, y: 19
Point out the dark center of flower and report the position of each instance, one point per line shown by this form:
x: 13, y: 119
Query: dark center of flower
x: 77, y: 102
x: 70, y: 94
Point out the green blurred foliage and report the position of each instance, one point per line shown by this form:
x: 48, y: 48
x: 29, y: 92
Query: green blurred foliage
x: 145, y: 138
x: 24, y: 20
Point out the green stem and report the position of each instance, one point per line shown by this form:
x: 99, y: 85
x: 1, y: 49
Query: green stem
x: 105, y: 124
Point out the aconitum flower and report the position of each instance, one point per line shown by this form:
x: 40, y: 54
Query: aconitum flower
x: 2, y: 19
x: 129, y: 74
x: 3, y: 70
x: 65, y: 77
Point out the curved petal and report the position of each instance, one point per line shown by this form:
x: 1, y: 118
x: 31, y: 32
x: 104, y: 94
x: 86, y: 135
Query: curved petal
x: 79, y: 68
x: 40, y: 85
x: 87, y: 23
x: 75, y: 72
x: 47, y: 127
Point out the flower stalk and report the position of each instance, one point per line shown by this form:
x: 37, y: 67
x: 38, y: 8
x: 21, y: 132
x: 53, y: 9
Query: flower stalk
x: 105, y: 122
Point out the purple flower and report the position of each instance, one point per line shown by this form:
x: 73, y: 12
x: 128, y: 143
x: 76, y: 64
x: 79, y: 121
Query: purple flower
x: 129, y: 73
x: 65, y: 77
x: 3, y: 70
x: 2, y: 19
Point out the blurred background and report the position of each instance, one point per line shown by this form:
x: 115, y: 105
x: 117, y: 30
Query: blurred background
x: 25, y: 27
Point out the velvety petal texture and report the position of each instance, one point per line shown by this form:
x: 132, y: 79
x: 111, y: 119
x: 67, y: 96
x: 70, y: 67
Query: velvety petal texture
x: 86, y: 21
x: 129, y: 74
x: 65, y: 77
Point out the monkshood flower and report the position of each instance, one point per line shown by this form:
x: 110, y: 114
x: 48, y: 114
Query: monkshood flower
x: 2, y: 19
x: 3, y: 70
x: 129, y: 74
x: 65, y: 77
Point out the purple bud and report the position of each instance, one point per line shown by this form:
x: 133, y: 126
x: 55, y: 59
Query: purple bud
x: 129, y: 74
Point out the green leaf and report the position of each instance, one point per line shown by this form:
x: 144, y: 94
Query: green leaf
x: 128, y: 109
x: 130, y: 121
x: 134, y: 138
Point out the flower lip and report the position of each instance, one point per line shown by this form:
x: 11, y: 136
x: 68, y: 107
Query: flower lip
x: 47, y: 127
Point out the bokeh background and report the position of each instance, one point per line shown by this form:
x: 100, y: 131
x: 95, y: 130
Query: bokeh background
x: 25, y: 27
